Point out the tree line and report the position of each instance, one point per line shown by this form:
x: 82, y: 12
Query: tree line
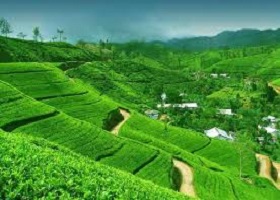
x: 6, y: 30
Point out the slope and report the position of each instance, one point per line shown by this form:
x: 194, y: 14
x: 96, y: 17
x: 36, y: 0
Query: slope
x: 135, y: 157
x: 17, y: 50
x: 20, y: 113
x: 45, y: 170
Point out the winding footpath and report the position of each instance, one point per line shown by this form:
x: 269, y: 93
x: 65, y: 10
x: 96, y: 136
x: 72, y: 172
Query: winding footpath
x: 265, y: 168
x: 276, y: 88
x: 126, y: 116
x: 186, y: 171
x: 277, y: 167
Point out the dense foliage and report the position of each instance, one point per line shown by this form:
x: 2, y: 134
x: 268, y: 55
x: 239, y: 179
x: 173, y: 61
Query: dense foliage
x: 35, y: 169
x: 17, y: 50
x: 71, y: 103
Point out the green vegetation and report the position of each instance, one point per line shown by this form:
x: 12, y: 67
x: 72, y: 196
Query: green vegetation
x: 276, y: 82
x: 79, y: 136
x: 75, y: 104
x: 131, y: 83
x: 45, y: 170
x: 18, y: 50
x: 185, y: 139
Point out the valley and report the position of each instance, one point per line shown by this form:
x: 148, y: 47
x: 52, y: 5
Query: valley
x: 74, y: 121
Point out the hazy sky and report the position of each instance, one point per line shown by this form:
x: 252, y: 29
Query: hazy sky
x: 122, y: 20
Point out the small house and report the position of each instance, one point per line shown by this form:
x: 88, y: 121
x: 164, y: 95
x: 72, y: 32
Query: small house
x: 271, y: 130
x: 153, y: 114
x: 214, y: 75
x: 224, y: 75
x: 218, y: 133
x: 166, y: 105
x: 183, y: 105
x: 225, y: 112
x: 271, y: 119
x: 189, y: 105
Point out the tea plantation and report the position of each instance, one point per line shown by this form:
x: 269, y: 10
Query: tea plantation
x: 57, y: 122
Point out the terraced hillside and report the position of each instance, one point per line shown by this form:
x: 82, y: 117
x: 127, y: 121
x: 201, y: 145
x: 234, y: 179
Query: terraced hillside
x: 16, y: 50
x: 76, y: 99
x: 264, y: 66
x: 40, y: 120
x: 190, y: 141
x: 131, y: 82
x: 143, y: 160
x: 46, y: 83
x: 45, y: 170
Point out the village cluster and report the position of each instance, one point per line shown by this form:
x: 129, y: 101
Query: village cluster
x: 269, y: 123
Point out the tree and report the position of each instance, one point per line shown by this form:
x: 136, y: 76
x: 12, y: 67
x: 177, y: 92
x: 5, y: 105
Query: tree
x: 241, y: 143
x: 54, y: 38
x: 5, y: 27
x: 21, y: 35
x: 60, y: 32
x: 36, y: 33
x: 1, y: 23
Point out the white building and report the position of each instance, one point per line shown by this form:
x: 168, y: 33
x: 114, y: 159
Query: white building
x: 271, y: 130
x: 166, y: 105
x: 226, y: 112
x: 218, y: 133
x: 271, y: 119
x: 182, y: 105
x: 214, y: 75
x: 224, y: 75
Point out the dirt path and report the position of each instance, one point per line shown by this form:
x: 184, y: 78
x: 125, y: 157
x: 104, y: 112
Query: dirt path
x: 265, y: 168
x: 117, y: 128
x: 276, y: 88
x: 277, y: 167
x: 187, y: 178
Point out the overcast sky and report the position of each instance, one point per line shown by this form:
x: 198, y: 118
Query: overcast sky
x: 122, y: 20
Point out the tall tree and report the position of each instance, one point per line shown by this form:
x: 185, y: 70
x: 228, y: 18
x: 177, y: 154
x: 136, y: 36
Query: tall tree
x: 1, y: 22
x: 60, y: 32
x: 36, y: 33
x: 54, y: 38
x: 241, y: 143
x: 5, y: 27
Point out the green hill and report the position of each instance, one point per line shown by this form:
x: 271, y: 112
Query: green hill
x: 45, y: 170
x: 58, y: 117
x: 228, y: 39
x: 16, y: 50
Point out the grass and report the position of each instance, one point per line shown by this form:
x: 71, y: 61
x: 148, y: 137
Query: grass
x: 227, y: 93
x: 45, y: 170
x: 175, y: 140
x: 185, y: 139
x: 246, y: 65
x: 229, y: 157
x: 45, y: 82
x: 142, y: 160
x: 132, y: 83
x: 138, y: 154
x: 276, y: 82
x: 80, y: 136
x: 16, y: 50
x: 160, y: 169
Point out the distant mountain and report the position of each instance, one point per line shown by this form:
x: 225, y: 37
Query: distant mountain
x: 228, y: 39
